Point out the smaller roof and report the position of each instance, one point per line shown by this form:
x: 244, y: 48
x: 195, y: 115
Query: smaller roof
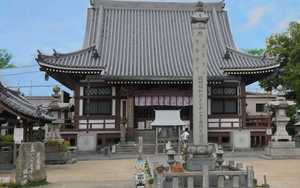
x: 74, y: 62
x: 167, y: 118
x: 243, y: 63
x: 18, y: 104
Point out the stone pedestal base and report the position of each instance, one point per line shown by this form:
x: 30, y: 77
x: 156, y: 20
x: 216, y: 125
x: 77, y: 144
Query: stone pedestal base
x: 282, y: 150
x: 282, y: 138
x: 202, y: 156
x: 197, y: 163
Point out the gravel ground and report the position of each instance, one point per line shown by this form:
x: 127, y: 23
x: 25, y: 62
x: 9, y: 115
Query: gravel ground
x: 92, y: 174
x: 120, y: 173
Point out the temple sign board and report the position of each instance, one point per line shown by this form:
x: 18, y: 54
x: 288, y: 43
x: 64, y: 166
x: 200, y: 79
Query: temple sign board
x: 18, y: 135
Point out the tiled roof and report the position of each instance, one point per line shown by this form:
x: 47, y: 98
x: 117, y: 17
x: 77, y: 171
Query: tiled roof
x: 146, y: 39
x: 20, y: 105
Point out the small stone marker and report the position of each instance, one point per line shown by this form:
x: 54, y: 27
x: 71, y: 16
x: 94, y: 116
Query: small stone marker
x: 140, y: 147
x: 30, y: 166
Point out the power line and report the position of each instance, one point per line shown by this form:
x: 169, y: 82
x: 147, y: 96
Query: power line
x: 30, y: 86
x: 20, y: 73
x: 19, y: 67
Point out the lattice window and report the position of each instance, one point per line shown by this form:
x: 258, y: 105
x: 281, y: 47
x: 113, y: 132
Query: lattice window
x: 98, y: 91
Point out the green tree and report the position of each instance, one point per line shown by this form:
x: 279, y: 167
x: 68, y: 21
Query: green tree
x: 5, y: 58
x: 255, y: 51
x: 285, y: 47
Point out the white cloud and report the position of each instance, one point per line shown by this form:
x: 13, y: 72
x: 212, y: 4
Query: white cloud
x: 283, y: 25
x: 255, y: 16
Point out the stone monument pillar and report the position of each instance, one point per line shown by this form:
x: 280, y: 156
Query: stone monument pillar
x: 140, y: 148
x: 200, y: 150
x: 30, y: 166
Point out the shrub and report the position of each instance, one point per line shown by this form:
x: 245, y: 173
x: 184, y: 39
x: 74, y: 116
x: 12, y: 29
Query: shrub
x: 151, y: 181
x: 60, y: 145
x: 7, y: 139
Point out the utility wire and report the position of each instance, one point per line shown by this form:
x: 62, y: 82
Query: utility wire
x: 29, y: 86
x: 19, y: 73
x: 19, y: 67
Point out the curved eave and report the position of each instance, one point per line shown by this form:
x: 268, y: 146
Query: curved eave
x: 251, y: 71
x: 70, y: 70
x: 84, y: 61
x: 27, y: 115
x: 157, y: 82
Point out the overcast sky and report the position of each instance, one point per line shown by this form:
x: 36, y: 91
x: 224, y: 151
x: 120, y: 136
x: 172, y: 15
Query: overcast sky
x: 28, y: 25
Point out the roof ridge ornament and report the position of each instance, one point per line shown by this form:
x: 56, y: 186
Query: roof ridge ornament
x: 227, y: 55
x: 55, y: 54
x: 95, y: 53
x: 39, y: 56
x: 199, y: 14
x: 199, y: 6
x: 92, y: 2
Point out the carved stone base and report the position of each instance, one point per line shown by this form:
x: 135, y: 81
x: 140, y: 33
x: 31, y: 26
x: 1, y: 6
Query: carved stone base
x: 282, y: 150
x: 202, y: 156
x: 197, y: 163
x: 281, y: 138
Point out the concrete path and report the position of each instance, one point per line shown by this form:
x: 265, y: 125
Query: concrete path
x: 280, y: 173
x: 92, y: 174
x: 120, y: 173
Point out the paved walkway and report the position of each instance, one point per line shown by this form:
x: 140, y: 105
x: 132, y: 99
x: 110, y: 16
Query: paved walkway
x: 120, y: 173
x: 280, y: 173
x: 92, y: 174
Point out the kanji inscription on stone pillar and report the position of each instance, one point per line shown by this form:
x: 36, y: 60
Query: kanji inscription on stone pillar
x: 200, y: 61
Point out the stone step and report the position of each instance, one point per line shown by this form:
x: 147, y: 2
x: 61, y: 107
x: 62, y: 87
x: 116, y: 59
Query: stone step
x: 148, y: 136
x: 132, y: 149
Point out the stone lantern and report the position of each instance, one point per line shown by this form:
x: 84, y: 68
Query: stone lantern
x: 297, y: 136
x: 280, y: 107
x: 281, y: 145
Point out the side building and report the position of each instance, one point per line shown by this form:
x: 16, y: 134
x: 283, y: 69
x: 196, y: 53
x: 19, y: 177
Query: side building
x: 17, y: 112
x: 137, y: 57
x: 258, y: 120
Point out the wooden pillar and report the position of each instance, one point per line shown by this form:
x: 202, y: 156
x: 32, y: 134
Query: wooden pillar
x: 77, y: 106
x: 260, y: 141
x: 25, y: 129
x: 30, y: 133
x: 179, y: 141
x: 219, y: 139
x: 118, y: 108
x: 130, y: 110
x: 156, y: 141
x: 243, y: 104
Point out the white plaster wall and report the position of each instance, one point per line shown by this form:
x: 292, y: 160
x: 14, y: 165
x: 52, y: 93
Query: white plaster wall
x: 113, y: 109
x: 241, y: 139
x: 251, y: 105
x: 87, y: 141
x: 113, y: 91
x: 80, y: 107
x: 81, y: 91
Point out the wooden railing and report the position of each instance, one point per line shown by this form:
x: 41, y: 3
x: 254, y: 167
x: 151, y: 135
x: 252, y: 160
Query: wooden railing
x: 263, y: 121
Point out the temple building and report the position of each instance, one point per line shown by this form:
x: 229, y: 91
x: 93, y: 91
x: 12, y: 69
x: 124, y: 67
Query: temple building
x: 137, y: 58
x: 17, y: 112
